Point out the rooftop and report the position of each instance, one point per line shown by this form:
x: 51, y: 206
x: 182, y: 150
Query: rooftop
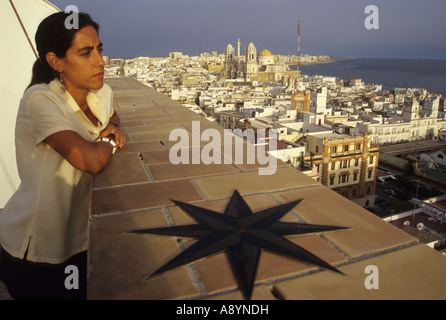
x: 330, y: 135
x: 431, y: 229
x: 412, y: 147
x: 136, y: 190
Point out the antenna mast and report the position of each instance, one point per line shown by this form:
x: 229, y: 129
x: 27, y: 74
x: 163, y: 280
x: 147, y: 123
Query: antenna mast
x: 298, y: 48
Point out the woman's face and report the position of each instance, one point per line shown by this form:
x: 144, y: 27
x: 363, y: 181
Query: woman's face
x: 83, y: 65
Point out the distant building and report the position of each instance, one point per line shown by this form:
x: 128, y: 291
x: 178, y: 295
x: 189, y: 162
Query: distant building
x: 346, y: 164
x: 176, y: 56
x: 117, y: 62
x: 215, y: 67
x: 229, y: 119
x: 414, y: 123
x: 318, y: 101
x: 300, y: 101
x: 264, y: 67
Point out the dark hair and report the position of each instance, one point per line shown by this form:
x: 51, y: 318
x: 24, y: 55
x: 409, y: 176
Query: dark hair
x: 53, y: 36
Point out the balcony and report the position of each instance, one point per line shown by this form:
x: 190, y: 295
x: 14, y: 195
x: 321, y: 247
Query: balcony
x: 136, y: 190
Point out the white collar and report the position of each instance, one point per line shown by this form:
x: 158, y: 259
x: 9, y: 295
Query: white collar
x: 94, y: 103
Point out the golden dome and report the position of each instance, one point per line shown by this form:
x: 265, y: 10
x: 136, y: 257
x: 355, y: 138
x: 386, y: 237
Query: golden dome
x: 265, y: 52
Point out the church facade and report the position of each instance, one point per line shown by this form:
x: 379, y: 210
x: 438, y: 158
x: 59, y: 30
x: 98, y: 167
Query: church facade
x: 262, y: 67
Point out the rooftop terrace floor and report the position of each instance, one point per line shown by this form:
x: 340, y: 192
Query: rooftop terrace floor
x: 136, y: 191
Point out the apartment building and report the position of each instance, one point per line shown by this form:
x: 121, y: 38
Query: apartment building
x: 346, y: 164
x: 414, y: 123
x: 229, y: 119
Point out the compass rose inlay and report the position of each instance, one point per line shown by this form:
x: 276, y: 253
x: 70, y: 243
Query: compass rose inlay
x: 242, y: 234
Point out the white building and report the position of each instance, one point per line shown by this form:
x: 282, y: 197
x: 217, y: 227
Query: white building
x: 318, y: 101
x: 413, y: 124
x: 434, y: 158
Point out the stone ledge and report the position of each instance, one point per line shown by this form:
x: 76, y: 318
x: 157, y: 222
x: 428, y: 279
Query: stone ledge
x: 135, y: 192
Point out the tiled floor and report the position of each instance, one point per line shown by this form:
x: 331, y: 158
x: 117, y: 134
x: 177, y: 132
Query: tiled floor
x: 137, y: 189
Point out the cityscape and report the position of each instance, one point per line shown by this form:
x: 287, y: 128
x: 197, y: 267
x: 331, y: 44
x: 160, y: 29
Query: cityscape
x: 338, y: 132
x: 359, y: 185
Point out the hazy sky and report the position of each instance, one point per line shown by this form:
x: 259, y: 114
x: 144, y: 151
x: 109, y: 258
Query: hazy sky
x: 407, y: 28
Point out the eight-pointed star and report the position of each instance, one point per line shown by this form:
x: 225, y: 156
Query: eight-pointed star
x: 242, y: 234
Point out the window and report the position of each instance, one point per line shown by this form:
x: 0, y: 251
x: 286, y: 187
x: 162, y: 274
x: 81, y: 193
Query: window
x: 371, y: 160
x: 317, y: 149
x: 346, y: 148
x: 356, y: 162
x: 358, y: 147
x: 354, y: 193
x: 333, y: 150
x: 331, y: 181
x: 355, y: 176
x: 333, y: 165
x: 368, y: 190
x: 370, y: 174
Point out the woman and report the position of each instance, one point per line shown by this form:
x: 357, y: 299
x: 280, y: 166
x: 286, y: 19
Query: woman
x: 66, y: 130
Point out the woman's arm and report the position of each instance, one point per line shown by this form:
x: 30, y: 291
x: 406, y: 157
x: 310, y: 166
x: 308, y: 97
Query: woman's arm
x: 86, y: 156
x: 114, y: 119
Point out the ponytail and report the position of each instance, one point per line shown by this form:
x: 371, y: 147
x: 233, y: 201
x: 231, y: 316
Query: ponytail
x: 42, y: 73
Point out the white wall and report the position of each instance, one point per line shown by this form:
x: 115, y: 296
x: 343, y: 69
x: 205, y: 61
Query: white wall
x: 288, y: 154
x: 17, y: 57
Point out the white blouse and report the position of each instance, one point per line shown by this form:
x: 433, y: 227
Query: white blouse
x: 47, y: 217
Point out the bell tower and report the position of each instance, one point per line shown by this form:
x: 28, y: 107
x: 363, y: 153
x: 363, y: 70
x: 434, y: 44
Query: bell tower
x: 251, y: 61
x: 229, y: 58
x: 411, y: 108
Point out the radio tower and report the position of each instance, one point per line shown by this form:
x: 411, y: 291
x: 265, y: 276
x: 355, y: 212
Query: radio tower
x: 298, y: 48
x: 296, y: 79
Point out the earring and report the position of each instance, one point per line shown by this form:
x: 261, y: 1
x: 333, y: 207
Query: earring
x: 62, y: 85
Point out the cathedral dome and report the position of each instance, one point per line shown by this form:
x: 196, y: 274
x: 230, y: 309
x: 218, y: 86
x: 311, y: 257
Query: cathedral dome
x: 265, y: 57
x: 265, y: 53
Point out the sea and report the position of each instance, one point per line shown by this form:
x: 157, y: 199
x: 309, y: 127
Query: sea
x: 390, y: 73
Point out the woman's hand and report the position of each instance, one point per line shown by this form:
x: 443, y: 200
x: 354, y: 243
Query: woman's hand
x: 118, y: 136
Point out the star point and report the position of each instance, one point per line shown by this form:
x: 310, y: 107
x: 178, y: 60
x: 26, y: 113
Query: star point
x: 242, y: 234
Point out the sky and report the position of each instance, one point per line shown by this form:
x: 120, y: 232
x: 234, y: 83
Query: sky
x: 410, y: 29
